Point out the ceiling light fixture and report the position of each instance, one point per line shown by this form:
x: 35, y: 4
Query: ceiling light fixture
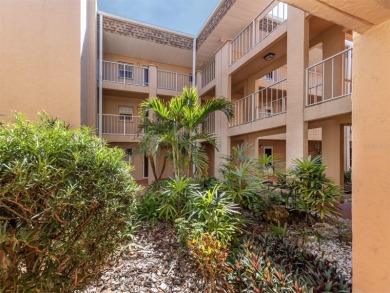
x: 269, y: 56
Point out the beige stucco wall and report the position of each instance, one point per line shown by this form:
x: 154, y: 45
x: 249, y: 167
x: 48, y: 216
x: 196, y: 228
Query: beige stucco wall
x: 371, y: 161
x: 88, y: 62
x: 111, y: 104
x: 40, y: 55
x: 137, y: 160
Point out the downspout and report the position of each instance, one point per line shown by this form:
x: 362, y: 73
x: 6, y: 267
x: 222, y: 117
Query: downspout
x: 194, y: 63
x: 100, y: 125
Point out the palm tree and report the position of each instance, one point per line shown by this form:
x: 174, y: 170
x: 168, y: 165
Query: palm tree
x: 176, y: 124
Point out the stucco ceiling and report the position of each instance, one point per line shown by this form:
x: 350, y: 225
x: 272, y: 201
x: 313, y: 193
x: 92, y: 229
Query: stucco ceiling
x: 356, y: 15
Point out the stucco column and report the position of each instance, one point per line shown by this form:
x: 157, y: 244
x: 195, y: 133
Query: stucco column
x: 152, y: 80
x: 333, y: 43
x: 198, y: 79
x: 222, y: 89
x: 297, y: 60
x: 371, y: 160
x: 333, y: 150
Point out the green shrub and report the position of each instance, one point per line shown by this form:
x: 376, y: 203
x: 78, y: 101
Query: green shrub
x: 215, y: 213
x: 167, y: 200
x: 309, y: 190
x: 272, y: 264
x: 66, y: 200
x: 241, y: 177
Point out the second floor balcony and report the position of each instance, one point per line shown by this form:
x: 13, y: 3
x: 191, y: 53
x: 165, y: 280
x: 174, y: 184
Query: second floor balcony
x: 265, y: 103
x: 123, y: 125
x: 329, y: 79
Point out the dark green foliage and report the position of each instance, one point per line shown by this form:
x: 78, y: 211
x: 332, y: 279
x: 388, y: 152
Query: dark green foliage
x: 241, y: 179
x: 66, y: 201
x: 309, y: 191
x: 272, y: 264
x: 212, y: 212
x: 348, y: 181
x: 247, y: 180
x: 167, y: 200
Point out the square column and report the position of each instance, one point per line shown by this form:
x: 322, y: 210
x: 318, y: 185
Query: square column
x: 371, y: 160
x: 297, y: 60
x: 222, y: 89
x: 333, y: 150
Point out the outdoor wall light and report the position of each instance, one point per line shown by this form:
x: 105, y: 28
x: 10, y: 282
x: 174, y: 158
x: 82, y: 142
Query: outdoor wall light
x: 269, y: 56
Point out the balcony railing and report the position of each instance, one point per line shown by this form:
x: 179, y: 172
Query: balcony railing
x: 125, y: 73
x: 329, y: 79
x: 265, y: 103
x: 208, y: 125
x: 276, y: 75
x: 208, y: 73
x: 121, y: 125
x: 261, y: 26
x: 173, y: 80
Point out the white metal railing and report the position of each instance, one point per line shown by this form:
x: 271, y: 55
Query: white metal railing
x: 265, y: 103
x: 125, y: 73
x: 208, y: 125
x: 208, y: 73
x: 329, y: 79
x: 121, y: 124
x: 260, y: 27
x: 276, y: 75
x: 173, y: 80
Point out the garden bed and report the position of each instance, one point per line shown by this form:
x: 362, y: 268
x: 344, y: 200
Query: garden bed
x: 156, y: 262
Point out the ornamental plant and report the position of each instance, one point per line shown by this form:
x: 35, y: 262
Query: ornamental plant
x: 210, y: 255
x: 308, y: 190
x: 66, y: 200
x: 273, y: 264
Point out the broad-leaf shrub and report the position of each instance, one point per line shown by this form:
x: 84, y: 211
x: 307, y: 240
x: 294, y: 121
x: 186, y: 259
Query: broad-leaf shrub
x: 309, y: 190
x: 211, y: 211
x: 65, y: 201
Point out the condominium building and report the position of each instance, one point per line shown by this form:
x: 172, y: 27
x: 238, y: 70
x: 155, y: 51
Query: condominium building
x: 299, y: 79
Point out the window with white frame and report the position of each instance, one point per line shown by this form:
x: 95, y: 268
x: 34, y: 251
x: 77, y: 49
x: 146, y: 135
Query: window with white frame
x: 126, y: 113
x: 126, y: 70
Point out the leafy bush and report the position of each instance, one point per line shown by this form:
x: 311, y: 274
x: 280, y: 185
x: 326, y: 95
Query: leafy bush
x: 241, y: 179
x: 272, y: 264
x: 210, y: 255
x: 211, y: 212
x: 65, y: 202
x: 167, y: 200
x: 309, y: 190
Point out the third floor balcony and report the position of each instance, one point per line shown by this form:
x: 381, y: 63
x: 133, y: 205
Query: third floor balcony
x: 170, y: 82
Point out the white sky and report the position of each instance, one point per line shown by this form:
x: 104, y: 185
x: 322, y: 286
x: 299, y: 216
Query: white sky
x: 186, y: 16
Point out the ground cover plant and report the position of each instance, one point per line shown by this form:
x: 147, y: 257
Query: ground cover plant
x: 66, y: 201
x: 274, y: 264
